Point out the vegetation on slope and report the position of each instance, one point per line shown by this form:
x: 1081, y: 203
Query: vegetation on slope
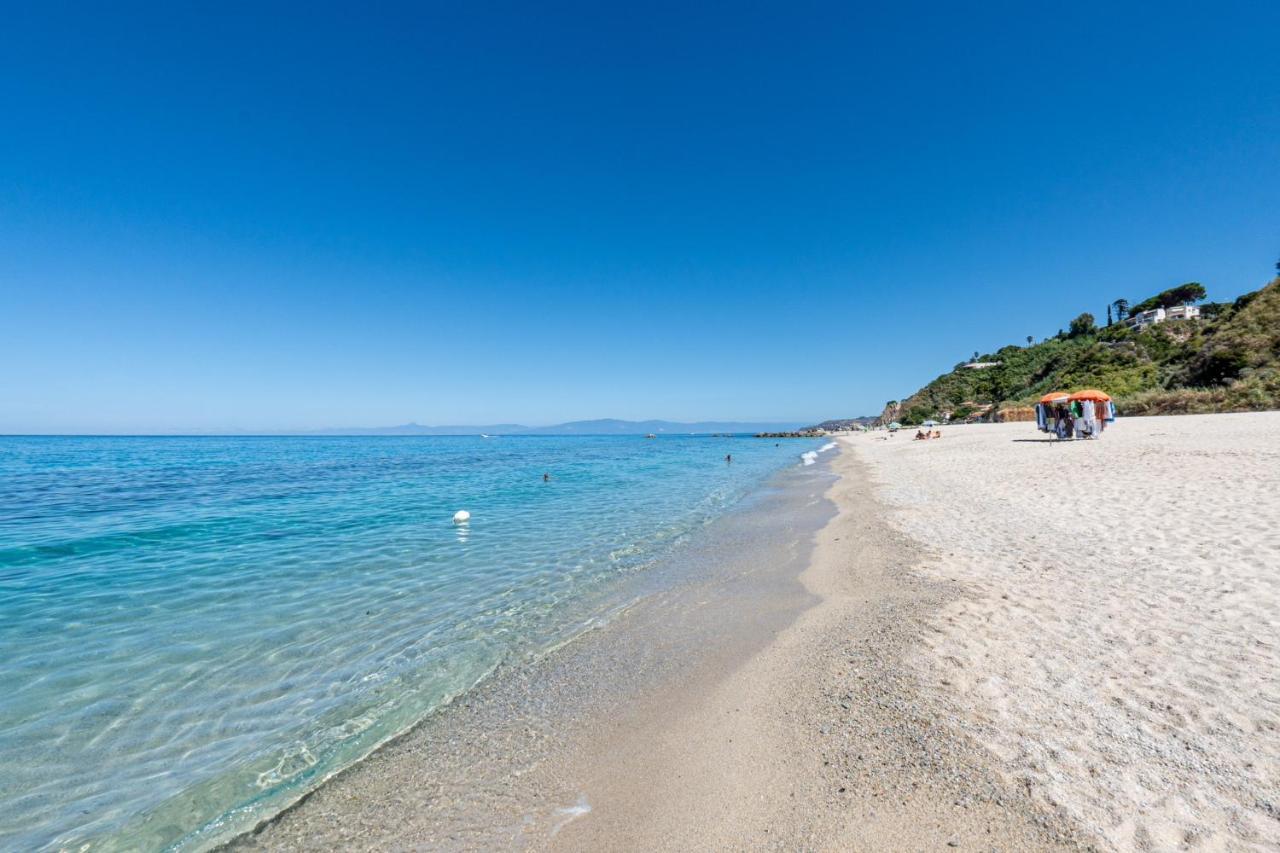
x: 1227, y: 361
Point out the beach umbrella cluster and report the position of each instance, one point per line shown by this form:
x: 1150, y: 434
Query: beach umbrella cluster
x: 1082, y: 414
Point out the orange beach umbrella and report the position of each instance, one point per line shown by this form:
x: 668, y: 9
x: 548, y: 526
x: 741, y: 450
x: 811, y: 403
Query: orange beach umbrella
x: 1091, y: 394
x: 1054, y: 397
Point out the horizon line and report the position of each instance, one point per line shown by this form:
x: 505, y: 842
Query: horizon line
x: 707, y: 426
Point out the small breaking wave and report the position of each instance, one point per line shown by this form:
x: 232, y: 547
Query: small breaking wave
x: 809, y: 457
x: 570, y: 813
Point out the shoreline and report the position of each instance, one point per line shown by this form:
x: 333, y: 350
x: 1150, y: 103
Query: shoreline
x: 767, y: 705
x: 469, y: 761
x: 822, y: 740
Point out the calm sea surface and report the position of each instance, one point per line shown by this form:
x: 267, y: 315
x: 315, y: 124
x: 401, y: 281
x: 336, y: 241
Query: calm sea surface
x: 194, y: 630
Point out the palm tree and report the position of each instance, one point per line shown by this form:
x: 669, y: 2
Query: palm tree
x: 1030, y: 340
x: 1122, y: 308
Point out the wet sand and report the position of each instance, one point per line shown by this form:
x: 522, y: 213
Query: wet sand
x: 762, y: 701
x: 819, y: 741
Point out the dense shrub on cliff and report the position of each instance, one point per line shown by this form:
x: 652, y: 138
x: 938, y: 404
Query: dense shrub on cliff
x: 1228, y: 361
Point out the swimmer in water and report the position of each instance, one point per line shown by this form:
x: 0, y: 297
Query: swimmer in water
x: 728, y: 457
x: 546, y: 478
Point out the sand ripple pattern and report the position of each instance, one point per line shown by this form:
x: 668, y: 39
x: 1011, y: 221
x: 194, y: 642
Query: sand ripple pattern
x: 1118, y: 642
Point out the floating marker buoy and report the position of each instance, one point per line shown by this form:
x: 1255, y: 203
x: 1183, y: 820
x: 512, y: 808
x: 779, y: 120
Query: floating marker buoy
x: 461, y: 517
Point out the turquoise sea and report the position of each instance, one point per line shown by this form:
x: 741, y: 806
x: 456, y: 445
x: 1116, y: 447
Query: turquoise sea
x: 193, y: 631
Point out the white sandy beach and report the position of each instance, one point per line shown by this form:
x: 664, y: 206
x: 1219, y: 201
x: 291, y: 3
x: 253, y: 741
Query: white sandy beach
x: 1117, y: 642
x: 1003, y: 643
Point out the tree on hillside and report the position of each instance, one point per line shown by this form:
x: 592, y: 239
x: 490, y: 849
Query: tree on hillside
x: 1183, y: 294
x: 1004, y: 384
x: 1108, y: 316
x: 1082, y: 325
x: 1030, y: 340
x: 1122, y: 308
x: 975, y: 355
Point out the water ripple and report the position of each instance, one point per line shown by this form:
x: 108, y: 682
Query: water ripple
x: 194, y: 630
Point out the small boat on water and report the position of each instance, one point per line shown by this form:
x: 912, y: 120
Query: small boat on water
x: 650, y: 435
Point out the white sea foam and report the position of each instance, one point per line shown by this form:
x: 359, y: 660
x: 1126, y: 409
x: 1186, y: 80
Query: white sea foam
x: 570, y: 813
x: 830, y: 445
x: 809, y: 457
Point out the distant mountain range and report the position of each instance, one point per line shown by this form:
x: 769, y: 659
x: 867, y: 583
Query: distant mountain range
x: 604, y: 426
x: 842, y: 424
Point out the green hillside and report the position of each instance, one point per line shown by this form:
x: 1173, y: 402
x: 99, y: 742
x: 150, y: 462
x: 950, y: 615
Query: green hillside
x: 1228, y: 361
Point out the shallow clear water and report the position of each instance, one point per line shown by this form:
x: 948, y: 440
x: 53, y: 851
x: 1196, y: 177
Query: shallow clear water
x: 193, y: 630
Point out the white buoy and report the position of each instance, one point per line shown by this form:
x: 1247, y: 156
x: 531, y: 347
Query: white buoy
x: 461, y: 517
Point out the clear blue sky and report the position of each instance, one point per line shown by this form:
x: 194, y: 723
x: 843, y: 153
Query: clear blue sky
x: 257, y: 216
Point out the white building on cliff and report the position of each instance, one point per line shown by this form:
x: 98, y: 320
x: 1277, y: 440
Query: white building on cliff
x: 1143, y: 319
